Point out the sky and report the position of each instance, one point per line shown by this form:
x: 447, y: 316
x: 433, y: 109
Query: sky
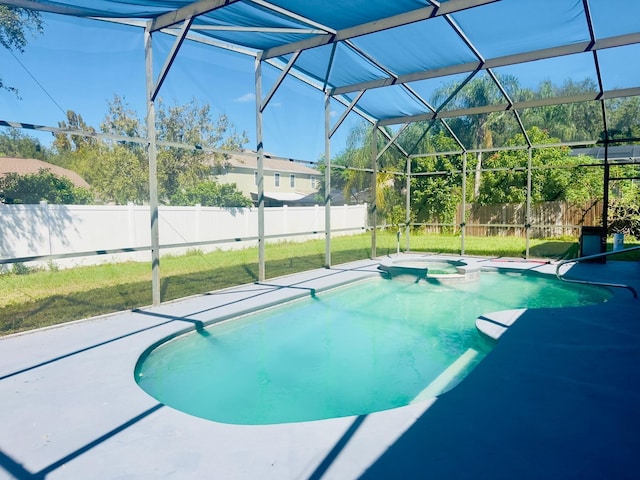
x: 81, y: 64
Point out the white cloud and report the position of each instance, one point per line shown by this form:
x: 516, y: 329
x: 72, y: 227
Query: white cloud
x: 247, y: 97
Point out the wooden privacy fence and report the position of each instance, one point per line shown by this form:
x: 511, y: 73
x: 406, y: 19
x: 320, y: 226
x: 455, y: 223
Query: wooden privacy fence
x: 548, y: 219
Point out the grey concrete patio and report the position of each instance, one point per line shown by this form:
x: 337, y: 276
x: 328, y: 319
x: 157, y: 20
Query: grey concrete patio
x: 557, y: 398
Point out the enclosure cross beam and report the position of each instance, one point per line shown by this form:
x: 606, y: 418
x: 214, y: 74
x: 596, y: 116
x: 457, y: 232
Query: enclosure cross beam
x: 376, y: 26
x: 192, y: 10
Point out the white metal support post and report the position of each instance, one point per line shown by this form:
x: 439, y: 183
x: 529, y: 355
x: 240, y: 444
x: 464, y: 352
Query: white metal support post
x: 260, y: 158
x: 407, y: 216
x: 153, y: 88
x: 374, y: 186
x: 607, y: 181
x: 327, y: 180
x: 527, y: 220
x: 463, y: 220
x: 153, y: 169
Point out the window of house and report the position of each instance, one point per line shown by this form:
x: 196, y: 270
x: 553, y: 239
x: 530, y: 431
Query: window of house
x: 313, y: 182
x: 292, y: 180
x: 276, y: 179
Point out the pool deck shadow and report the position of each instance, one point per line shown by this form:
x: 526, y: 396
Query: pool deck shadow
x: 557, y: 398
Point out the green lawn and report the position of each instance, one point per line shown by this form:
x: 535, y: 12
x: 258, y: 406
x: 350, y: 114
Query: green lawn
x: 36, y: 299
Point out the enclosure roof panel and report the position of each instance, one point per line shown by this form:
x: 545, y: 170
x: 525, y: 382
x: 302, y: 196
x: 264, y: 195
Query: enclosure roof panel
x: 511, y: 27
x: 350, y: 46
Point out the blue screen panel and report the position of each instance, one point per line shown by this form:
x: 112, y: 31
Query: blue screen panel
x: 419, y: 46
x: 514, y: 26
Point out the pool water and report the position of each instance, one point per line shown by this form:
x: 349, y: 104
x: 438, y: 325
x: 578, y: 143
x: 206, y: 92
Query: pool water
x: 370, y: 346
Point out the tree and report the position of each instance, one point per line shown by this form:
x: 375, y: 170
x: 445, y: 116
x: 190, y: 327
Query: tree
x: 475, y: 130
x: 67, y: 143
x: 624, y: 117
x: 118, y: 175
x: 44, y: 185
x: 624, y: 201
x: 355, y: 178
x: 435, y: 198
x: 624, y: 214
x: 556, y: 175
x: 18, y: 145
x: 211, y: 194
x: 118, y: 169
x: 570, y: 121
x: 121, y: 119
x: 15, y: 25
x: 191, y: 124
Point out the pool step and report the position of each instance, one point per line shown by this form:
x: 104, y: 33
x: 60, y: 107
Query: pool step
x: 443, y: 380
x: 494, y: 324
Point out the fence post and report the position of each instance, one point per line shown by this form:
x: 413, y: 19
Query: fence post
x: 44, y: 209
x: 316, y: 218
x: 198, y: 219
x: 285, y: 220
x: 345, y: 216
x: 131, y: 224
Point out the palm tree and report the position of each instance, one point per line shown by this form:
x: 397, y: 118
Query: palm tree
x: 477, y: 92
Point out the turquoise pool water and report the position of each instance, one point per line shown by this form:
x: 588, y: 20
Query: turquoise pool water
x: 369, y: 346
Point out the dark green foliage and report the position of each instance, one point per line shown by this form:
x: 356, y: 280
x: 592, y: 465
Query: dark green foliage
x: 624, y: 210
x: 15, y: 144
x: 555, y: 175
x: 15, y: 24
x: 498, y: 176
x: 119, y: 171
x: 211, y: 194
x: 44, y: 185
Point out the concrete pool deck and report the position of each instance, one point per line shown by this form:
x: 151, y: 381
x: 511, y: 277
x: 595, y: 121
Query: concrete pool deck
x: 558, y: 397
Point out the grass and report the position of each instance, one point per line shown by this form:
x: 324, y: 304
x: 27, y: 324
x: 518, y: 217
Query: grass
x: 41, y: 298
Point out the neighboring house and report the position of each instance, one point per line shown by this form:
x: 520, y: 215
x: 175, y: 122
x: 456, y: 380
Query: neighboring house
x: 285, y: 182
x: 25, y: 166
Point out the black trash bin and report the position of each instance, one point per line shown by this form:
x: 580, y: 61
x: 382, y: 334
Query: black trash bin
x: 593, y: 240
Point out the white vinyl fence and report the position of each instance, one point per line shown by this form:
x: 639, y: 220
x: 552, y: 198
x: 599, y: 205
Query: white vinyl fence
x: 35, y: 230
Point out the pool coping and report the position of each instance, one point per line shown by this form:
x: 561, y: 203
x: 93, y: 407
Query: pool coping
x: 70, y: 406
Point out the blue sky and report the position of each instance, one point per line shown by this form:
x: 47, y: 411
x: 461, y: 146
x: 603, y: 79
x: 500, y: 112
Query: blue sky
x: 80, y: 64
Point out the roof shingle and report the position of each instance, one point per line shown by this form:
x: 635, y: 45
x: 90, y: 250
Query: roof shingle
x: 25, y: 166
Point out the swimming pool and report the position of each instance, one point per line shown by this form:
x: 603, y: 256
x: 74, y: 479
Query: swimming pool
x: 370, y: 346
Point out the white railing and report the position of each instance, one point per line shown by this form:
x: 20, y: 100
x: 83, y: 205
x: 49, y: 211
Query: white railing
x: 594, y: 257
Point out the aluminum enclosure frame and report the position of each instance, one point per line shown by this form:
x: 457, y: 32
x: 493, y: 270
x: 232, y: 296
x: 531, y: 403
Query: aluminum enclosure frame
x: 182, y: 23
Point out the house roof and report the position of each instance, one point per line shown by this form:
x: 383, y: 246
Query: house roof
x: 271, y: 164
x: 25, y: 166
x: 615, y: 152
x: 283, y: 196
